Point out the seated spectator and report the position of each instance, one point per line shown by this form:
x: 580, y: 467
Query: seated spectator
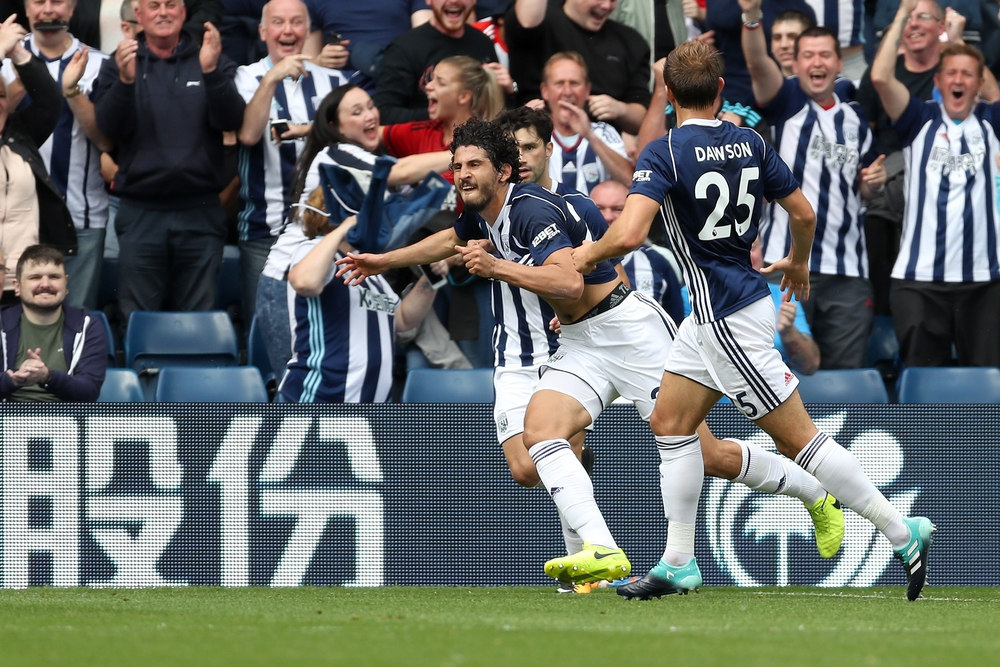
x: 586, y: 152
x: 344, y: 335
x: 51, y: 351
x: 401, y: 88
x: 33, y: 207
x: 616, y: 55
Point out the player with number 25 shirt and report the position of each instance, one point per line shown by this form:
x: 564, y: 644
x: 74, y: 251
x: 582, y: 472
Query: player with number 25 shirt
x: 707, y: 180
x: 712, y: 172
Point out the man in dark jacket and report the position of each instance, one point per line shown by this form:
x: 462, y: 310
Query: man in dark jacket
x: 50, y: 351
x: 166, y: 98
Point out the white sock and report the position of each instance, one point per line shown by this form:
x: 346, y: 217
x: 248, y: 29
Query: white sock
x: 570, y: 537
x: 682, y: 471
x: 570, y: 487
x: 772, y: 473
x: 841, y: 474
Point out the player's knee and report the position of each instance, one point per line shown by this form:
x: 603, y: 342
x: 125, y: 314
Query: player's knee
x: 663, y: 422
x: 523, y: 474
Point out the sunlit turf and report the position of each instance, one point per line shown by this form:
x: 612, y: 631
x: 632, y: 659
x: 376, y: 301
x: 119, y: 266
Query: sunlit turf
x: 497, y: 626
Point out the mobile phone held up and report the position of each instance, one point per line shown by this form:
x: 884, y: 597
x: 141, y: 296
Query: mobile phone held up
x: 278, y: 128
x: 333, y: 38
x: 436, y: 281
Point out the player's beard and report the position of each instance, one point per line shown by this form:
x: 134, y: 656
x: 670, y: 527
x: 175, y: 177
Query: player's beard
x: 478, y: 203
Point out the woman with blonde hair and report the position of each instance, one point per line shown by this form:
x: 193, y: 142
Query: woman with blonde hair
x: 459, y: 88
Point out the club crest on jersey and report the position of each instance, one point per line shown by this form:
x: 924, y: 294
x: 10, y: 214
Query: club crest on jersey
x: 642, y: 175
x: 967, y: 162
x: 837, y: 153
x: 548, y: 233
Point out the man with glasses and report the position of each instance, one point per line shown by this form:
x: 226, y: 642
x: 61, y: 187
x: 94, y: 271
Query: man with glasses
x: 946, y: 280
x: 915, y: 66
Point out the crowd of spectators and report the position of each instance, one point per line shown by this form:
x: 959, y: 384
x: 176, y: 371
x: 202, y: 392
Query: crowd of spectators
x: 185, y: 127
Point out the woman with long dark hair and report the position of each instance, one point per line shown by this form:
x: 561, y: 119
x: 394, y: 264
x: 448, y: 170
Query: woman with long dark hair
x: 346, y: 133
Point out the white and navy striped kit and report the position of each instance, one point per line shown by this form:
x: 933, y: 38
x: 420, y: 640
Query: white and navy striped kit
x: 72, y: 160
x: 650, y: 273
x: 951, y: 231
x: 575, y: 163
x: 266, y: 170
x: 825, y: 148
x: 533, y: 224
x: 843, y: 17
x: 711, y: 178
x: 342, y: 349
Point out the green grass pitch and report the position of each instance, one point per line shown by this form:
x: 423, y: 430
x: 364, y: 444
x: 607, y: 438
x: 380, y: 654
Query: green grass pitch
x: 512, y: 626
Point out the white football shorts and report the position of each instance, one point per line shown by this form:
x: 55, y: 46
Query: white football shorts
x: 513, y: 387
x: 736, y: 355
x: 620, y: 352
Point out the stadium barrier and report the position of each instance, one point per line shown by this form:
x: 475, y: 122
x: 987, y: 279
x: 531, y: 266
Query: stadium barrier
x: 136, y: 495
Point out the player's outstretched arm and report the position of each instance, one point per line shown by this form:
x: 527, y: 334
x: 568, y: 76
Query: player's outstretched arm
x: 355, y: 267
x: 801, y: 228
x: 627, y: 234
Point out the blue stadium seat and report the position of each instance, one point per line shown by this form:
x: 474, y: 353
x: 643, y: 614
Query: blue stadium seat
x: 443, y: 385
x: 121, y: 385
x: 102, y: 320
x: 226, y: 384
x: 883, y: 348
x: 947, y: 384
x: 154, y: 339
x: 853, y: 385
x: 107, y: 288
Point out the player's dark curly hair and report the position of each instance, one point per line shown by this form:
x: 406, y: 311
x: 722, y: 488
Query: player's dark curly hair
x: 499, y: 144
